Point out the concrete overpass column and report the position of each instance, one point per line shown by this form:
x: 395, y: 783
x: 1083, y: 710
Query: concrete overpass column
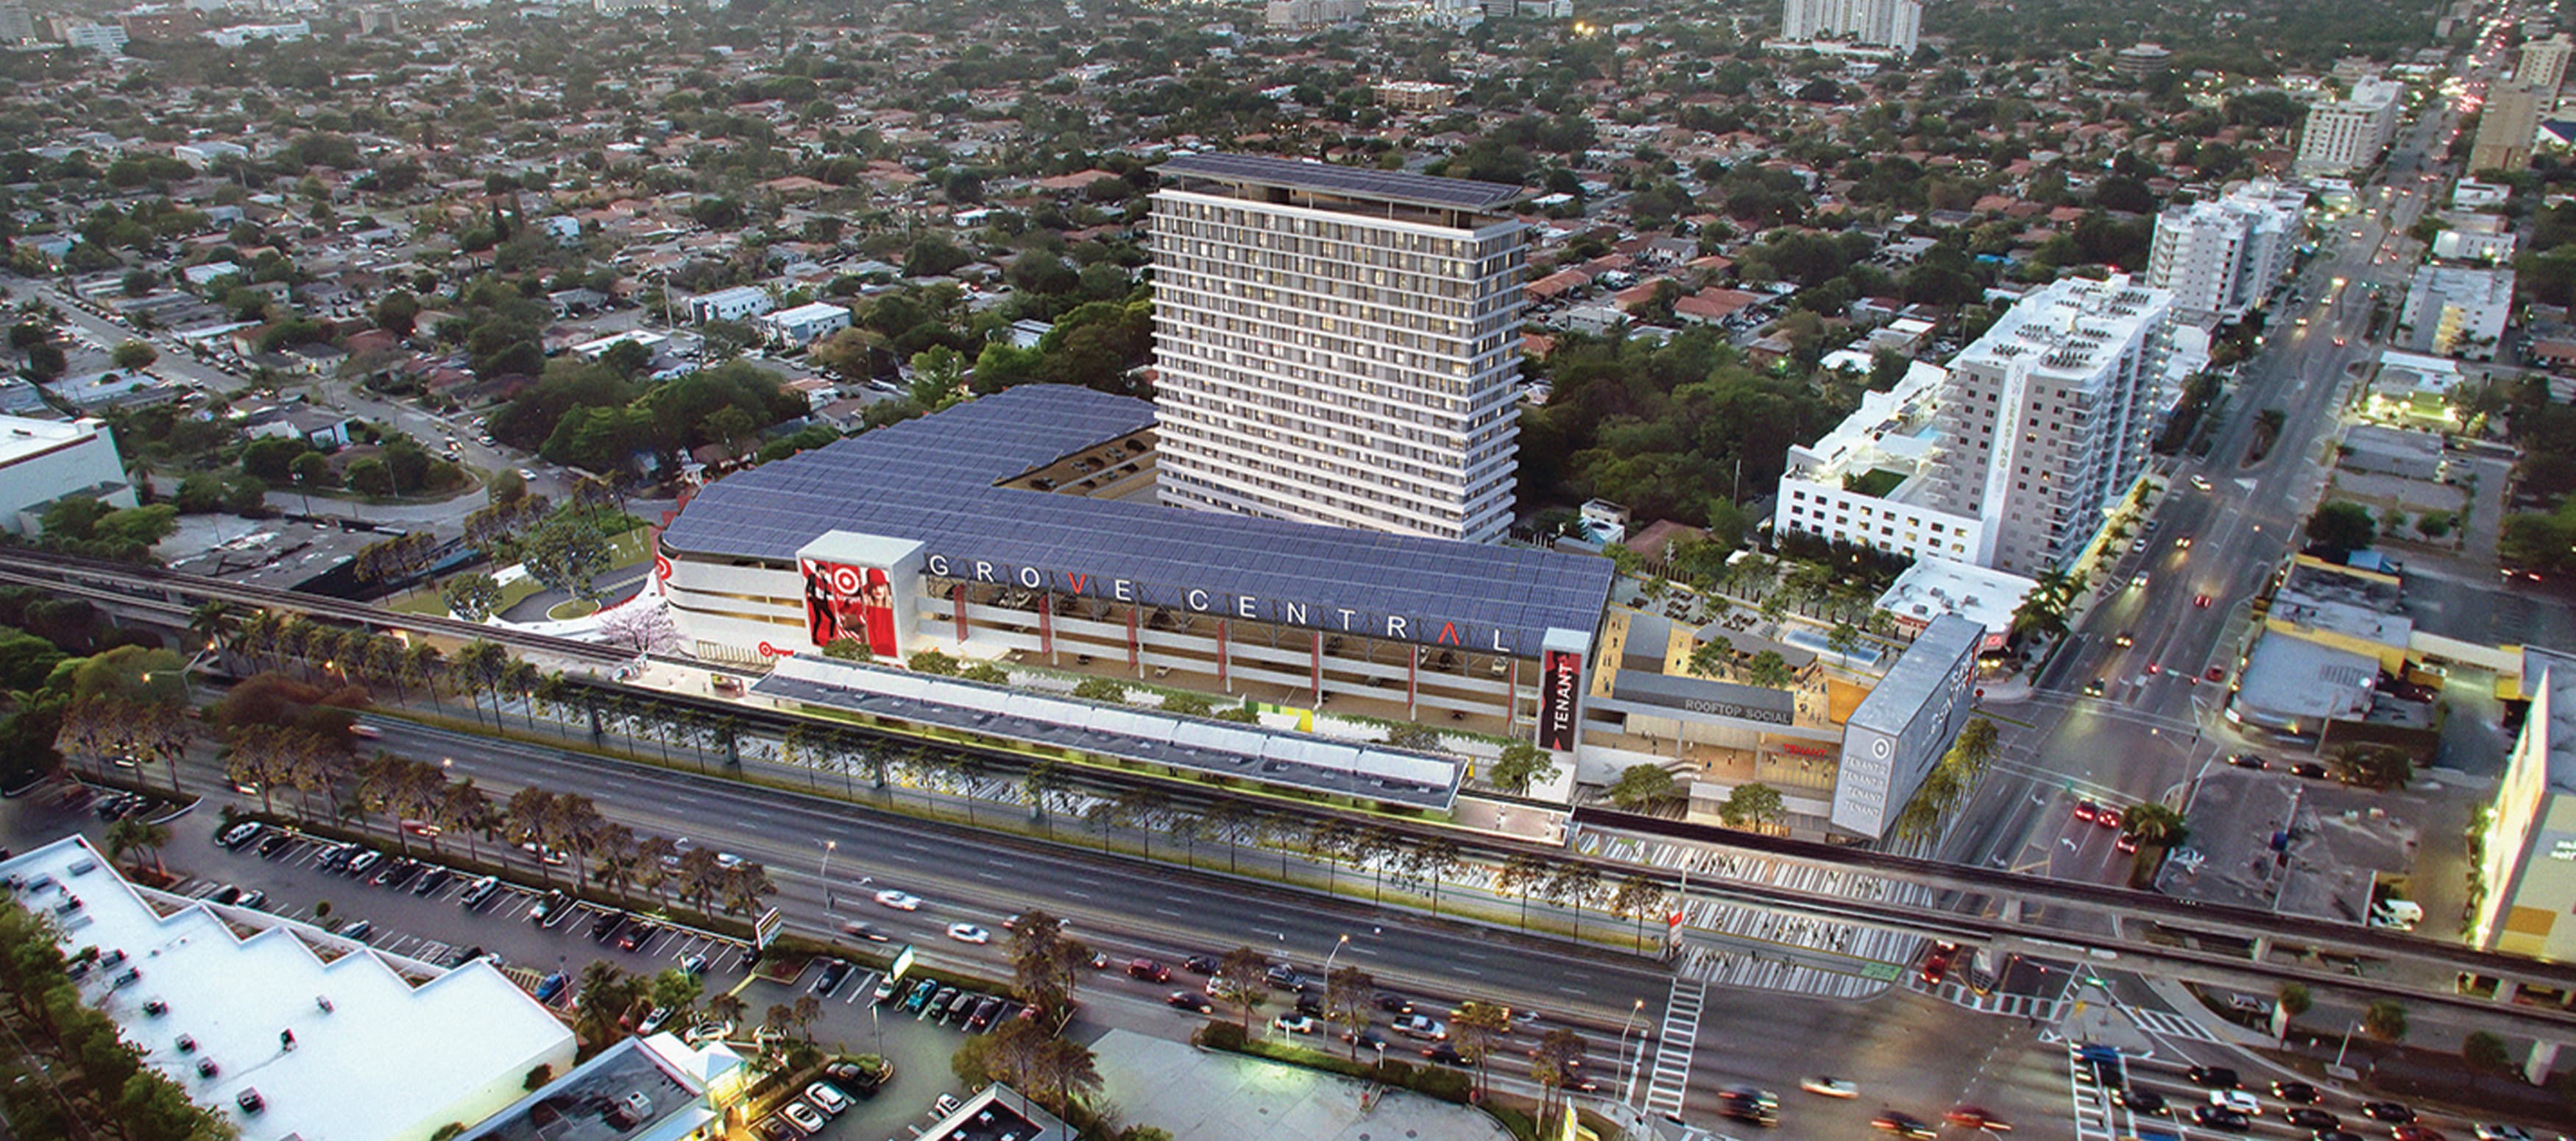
x: 2262, y: 947
x: 2535, y: 1069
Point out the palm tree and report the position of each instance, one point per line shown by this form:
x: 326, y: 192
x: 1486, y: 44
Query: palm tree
x: 1065, y: 1068
x: 425, y: 665
x: 614, y: 858
x: 2152, y: 824
x: 725, y: 1006
x: 1227, y: 817
x: 1043, y: 781
x: 1439, y: 857
x: 1347, y: 994
x: 522, y: 677
x: 466, y: 808
x: 257, y: 635
x: 482, y: 664
x: 1139, y: 806
x: 654, y: 856
x: 1560, y: 1053
x: 1575, y: 884
x: 574, y: 822
x: 1635, y: 896
x: 1243, y: 978
x: 212, y: 622
x: 139, y: 836
x: 1477, y: 1027
x: 1330, y: 839
x: 1377, y: 846
x: 1521, y: 873
x: 967, y: 767
x: 529, y: 817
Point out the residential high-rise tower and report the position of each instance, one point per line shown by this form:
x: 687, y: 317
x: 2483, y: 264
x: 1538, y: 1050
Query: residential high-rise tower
x: 2045, y: 419
x: 1894, y: 24
x: 1336, y: 344
x: 2219, y: 258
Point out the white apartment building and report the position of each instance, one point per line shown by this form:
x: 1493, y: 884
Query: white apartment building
x: 1866, y: 482
x: 45, y: 460
x: 2046, y: 419
x: 16, y: 26
x: 104, y: 38
x: 2220, y: 259
x: 733, y: 304
x: 2544, y: 62
x: 2455, y: 311
x: 2344, y: 135
x: 1894, y: 24
x: 1337, y: 345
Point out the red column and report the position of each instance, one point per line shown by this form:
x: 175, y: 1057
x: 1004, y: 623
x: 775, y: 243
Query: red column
x: 1046, y: 627
x: 1512, y: 699
x: 957, y: 596
x: 1221, y: 681
x: 1134, y: 661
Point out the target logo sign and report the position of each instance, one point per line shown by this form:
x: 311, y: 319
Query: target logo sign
x: 846, y: 581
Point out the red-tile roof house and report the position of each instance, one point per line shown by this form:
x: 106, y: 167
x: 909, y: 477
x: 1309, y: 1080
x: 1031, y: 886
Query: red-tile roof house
x: 1556, y: 285
x: 1710, y: 306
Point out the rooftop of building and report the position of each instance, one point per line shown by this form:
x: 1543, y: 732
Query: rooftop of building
x: 355, y: 1069
x: 2554, y: 673
x: 997, y: 1113
x: 2342, y: 600
x: 935, y: 479
x: 1891, y: 426
x: 24, y: 438
x: 1920, y: 673
x: 1348, y: 183
x: 2293, y: 680
x: 1936, y: 586
x: 640, y: 1089
x: 2069, y: 325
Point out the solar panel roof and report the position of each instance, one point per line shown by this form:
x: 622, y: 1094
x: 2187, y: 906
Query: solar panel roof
x: 932, y: 480
x: 1398, y: 186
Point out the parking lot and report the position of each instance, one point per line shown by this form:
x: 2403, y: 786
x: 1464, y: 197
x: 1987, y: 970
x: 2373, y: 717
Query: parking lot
x: 404, y: 919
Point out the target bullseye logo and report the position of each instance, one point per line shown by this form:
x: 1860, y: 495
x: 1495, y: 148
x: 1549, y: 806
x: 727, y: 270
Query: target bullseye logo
x: 847, y: 581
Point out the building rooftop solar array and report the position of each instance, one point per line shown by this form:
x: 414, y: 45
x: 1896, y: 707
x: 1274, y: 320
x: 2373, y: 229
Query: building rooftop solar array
x: 933, y: 480
x: 1360, y: 182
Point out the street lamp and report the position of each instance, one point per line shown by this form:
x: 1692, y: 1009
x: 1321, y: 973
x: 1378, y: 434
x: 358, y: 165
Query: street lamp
x: 1630, y: 1074
x: 2347, y: 1044
x: 1328, y: 959
x: 824, y: 873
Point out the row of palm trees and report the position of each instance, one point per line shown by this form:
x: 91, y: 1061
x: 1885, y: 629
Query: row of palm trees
x: 113, y: 730
x: 547, y: 828
x: 322, y: 653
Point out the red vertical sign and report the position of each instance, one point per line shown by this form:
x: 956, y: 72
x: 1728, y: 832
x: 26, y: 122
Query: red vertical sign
x: 1560, y: 690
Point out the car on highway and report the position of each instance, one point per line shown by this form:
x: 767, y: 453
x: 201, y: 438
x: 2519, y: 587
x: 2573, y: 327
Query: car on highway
x: 863, y: 929
x: 2313, y: 1119
x: 1445, y: 1053
x: 2416, y: 1133
x: 2108, y: 817
x: 1296, y: 1024
x: 2212, y: 1077
x: 2183, y: 543
x: 1284, y: 977
x: 2220, y: 1117
x: 1421, y: 1026
x: 1149, y: 970
x: 2139, y: 1099
x: 2248, y: 761
x: 1392, y: 1003
x: 2236, y: 1099
x: 2200, y: 601
x: 1936, y: 962
x: 2493, y: 1132
x: 969, y: 933
x: 1749, y: 1105
x: 2124, y: 640
x: 1200, y: 964
x: 2086, y: 810
x: 2127, y: 842
x: 2338, y: 342
x: 1976, y: 1117
x: 1904, y: 1125
x: 2095, y: 687
x: 2215, y: 673
x: 900, y: 901
x: 1190, y: 1000
x: 2201, y: 482
x: 1826, y: 1085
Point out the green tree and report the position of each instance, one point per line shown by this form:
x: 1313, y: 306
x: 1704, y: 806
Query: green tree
x: 938, y: 378
x: 848, y: 649
x: 567, y: 552
x: 1641, y: 784
x: 135, y: 356
x: 2152, y: 824
x: 1521, y: 765
x: 2376, y: 766
x: 1752, y: 804
x: 369, y: 476
x: 934, y: 663
x: 1769, y: 670
x: 2384, y: 1020
x: 2485, y: 1050
x: 1243, y: 978
x: 2340, y: 527
x: 1101, y: 689
x: 471, y: 595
